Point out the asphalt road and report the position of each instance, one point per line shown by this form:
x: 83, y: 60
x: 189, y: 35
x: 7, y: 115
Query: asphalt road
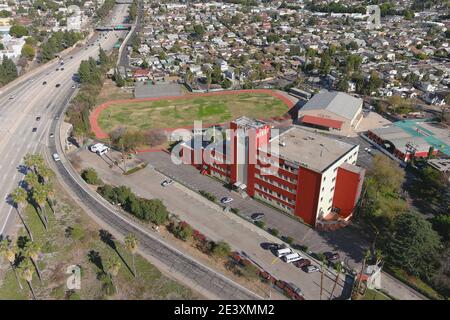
x: 18, y: 117
x: 28, y: 99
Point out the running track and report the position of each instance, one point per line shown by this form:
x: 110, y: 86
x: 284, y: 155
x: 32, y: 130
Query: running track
x: 100, y: 134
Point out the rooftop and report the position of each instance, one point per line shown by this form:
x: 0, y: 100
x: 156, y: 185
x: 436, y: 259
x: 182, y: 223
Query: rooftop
x: 308, y: 149
x: 339, y: 103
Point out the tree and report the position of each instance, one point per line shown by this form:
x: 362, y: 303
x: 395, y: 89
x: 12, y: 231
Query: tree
x: 131, y: 243
x: 32, y: 180
x: 18, y: 31
x: 325, y: 64
x: 103, y: 57
x: 90, y: 176
x: 8, y: 71
x: 19, y: 197
x: 113, y: 266
x: 32, y: 251
x: 26, y: 273
x: 221, y: 249
x: 441, y: 224
x: 9, y: 253
x: 40, y: 197
x: 413, y: 245
x: 199, y: 30
x: 28, y: 52
x: 387, y: 174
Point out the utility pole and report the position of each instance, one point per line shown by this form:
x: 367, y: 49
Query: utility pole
x: 321, y: 279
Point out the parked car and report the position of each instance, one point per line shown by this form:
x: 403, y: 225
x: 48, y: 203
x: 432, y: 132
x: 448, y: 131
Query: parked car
x: 44, y: 83
x: 167, y: 182
x: 226, y: 200
x: 38, y: 118
x: 311, y: 269
x: 257, y: 217
x: 56, y: 157
x: 331, y: 256
x: 302, y: 263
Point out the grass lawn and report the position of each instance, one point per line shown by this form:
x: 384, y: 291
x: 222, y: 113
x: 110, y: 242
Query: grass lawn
x: 374, y: 295
x: 182, y: 112
x: 61, y: 249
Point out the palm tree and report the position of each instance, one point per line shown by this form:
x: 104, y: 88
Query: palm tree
x: 19, y: 197
x: 40, y: 197
x: 338, y: 269
x: 9, y: 253
x: 32, y: 180
x: 112, y: 267
x: 29, y: 161
x: 26, y: 272
x: 44, y: 172
x: 131, y: 243
x: 32, y: 250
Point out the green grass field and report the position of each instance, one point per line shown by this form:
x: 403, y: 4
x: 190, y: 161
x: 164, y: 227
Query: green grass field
x: 174, y: 113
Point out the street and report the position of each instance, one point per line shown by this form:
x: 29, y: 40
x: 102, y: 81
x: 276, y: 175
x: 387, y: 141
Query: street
x: 31, y: 99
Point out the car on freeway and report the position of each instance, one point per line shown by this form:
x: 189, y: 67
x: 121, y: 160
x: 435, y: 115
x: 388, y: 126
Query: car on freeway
x: 51, y: 135
x: 71, y: 57
x: 302, y: 263
x: 57, y: 69
x: 12, y: 97
x: 311, y: 269
x: 62, y: 69
x: 74, y: 86
x: 38, y: 118
x: 56, y: 157
x: 57, y: 85
x: 331, y: 256
x: 57, y: 118
x: 226, y: 200
x: 34, y: 129
x: 257, y: 217
x: 44, y: 83
x: 167, y: 182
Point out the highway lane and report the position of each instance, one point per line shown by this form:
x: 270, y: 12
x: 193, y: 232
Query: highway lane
x: 32, y: 99
x: 18, y: 117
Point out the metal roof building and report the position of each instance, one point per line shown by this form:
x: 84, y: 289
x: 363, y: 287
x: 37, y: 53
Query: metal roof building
x: 332, y: 110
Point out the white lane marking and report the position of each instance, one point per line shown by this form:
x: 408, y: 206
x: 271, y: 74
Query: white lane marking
x: 6, y: 221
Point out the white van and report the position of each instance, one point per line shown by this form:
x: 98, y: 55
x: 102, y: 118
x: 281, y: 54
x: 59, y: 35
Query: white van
x: 291, y: 257
x: 283, y: 252
x: 99, y: 148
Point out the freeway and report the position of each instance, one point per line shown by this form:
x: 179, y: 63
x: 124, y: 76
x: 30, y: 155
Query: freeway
x: 38, y: 94
x: 45, y: 94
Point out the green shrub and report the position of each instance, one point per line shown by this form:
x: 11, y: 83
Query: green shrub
x: 208, y: 195
x: 90, y: 176
x: 274, y: 232
x: 221, y: 249
x: 260, y: 224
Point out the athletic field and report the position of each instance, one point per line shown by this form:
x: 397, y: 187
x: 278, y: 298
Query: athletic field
x: 176, y: 112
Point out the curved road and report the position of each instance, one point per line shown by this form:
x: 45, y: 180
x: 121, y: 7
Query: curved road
x: 18, y: 116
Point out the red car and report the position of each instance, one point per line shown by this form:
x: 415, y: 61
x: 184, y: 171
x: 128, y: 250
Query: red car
x: 302, y: 263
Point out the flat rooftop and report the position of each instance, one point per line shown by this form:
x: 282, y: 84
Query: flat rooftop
x: 247, y: 123
x: 310, y: 150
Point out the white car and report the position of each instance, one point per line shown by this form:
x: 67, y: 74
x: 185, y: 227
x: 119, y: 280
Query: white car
x: 167, y: 182
x: 56, y: 157
x: 226, y: 200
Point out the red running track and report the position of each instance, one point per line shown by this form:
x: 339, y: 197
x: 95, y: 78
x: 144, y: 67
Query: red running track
x: 100, y: 134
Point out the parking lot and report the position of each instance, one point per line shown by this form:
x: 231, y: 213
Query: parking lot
x: 215, y: 224
x: 344, y: 241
